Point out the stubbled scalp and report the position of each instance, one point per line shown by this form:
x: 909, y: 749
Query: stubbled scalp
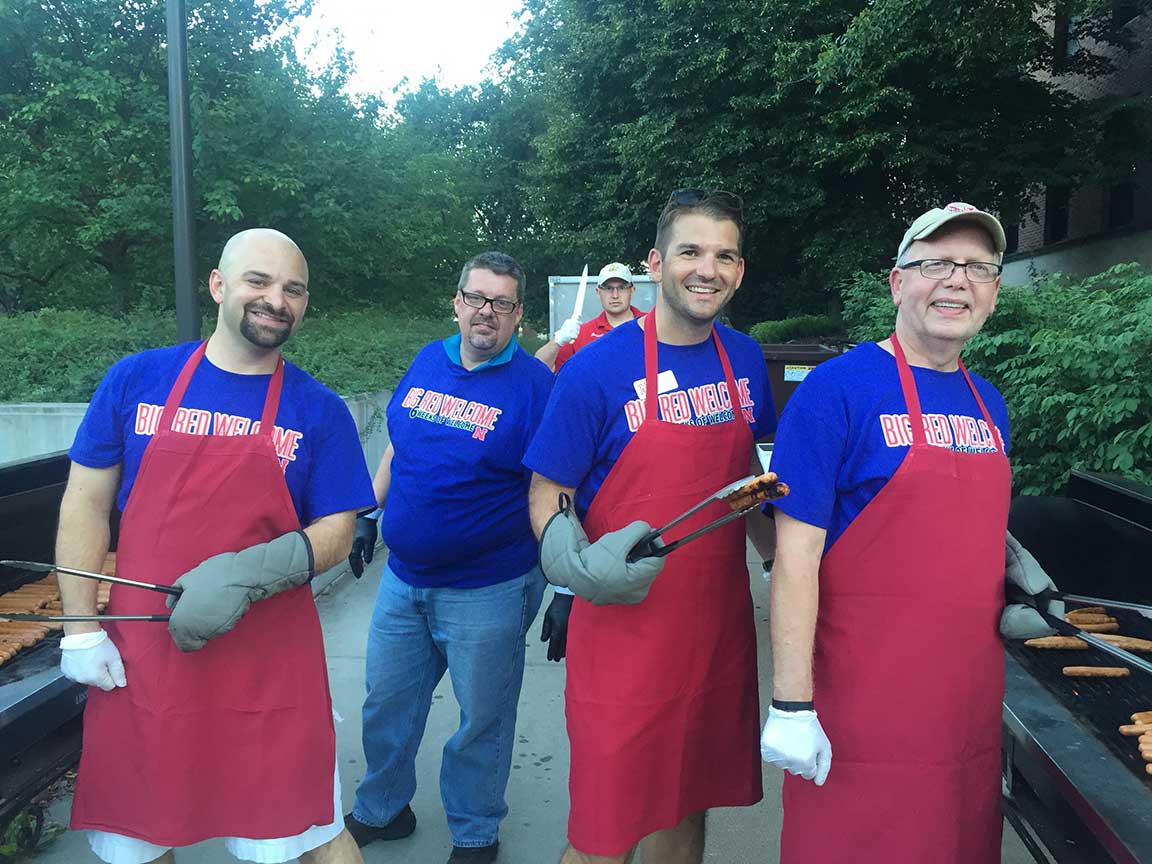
x: 238, y: 242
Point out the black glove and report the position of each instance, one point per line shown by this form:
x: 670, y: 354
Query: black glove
x: 554, y: 630
x: 363, y: 544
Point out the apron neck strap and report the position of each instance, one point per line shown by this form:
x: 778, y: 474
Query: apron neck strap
x: 176, y: 394
x: 272, y: 399
x: 652, y: 369
x: 987, y: 417
x: 912, y: 398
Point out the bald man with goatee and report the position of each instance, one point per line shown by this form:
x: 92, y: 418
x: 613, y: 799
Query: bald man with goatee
x: 239, y: 477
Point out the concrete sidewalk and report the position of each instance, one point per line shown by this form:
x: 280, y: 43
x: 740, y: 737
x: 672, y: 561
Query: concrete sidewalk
x: 537, y: 796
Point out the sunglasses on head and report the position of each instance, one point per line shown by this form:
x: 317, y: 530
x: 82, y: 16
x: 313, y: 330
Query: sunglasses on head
x: 691, y: 197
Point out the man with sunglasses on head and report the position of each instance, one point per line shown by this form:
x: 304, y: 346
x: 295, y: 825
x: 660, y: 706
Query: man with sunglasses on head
x: 888, y: 582
x: 661, y: 693
x: 461, y: 584
x: 614, y: 287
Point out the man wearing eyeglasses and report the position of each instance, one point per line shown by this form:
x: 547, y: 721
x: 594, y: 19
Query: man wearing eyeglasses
x: 889, y: 576
x: 615, y: 289
x: 461, y: 584
x: 661, y: 693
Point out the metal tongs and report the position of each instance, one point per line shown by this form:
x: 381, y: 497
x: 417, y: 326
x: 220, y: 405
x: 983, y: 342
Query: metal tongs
x: 645, y: 549
x: 1139, y: 608
x: 1068, y: 629
x: 37, y: 567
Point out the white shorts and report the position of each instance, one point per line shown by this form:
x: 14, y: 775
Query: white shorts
x: 118, y: 849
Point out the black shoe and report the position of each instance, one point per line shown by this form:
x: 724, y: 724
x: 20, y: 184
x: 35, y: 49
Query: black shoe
x: 400, y: 827
x: 474, y: 854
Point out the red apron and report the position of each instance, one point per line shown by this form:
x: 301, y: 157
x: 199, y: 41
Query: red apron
x: 236, y: 739
x: 909, y: 667
x: 661, y: 697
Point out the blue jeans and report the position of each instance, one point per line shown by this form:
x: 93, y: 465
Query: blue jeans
x: 477, y: 634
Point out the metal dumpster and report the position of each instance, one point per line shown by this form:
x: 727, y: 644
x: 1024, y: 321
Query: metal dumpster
x: 789, y: 364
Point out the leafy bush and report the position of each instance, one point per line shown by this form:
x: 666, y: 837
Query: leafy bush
x: 362, y: 352
x: 798, y: 327
x: 60, y: 356
x: 1073, y: 361
x: 867, y: 307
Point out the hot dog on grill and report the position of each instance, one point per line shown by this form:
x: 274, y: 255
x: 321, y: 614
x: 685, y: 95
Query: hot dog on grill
x: 1135, y: 729
x: 1088, y: 618
x: 1129, y: 643
x: 1096, y: 671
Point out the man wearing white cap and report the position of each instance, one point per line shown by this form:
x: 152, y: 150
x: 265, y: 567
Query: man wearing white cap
x: 893, y: 540
x: 614, y: 287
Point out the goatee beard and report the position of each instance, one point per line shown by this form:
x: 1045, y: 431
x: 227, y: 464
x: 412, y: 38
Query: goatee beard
x: 264, y: 337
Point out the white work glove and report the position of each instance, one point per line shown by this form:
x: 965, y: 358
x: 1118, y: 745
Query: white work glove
x: 795, y: 741
x: 568, y: 331
x: 1022, y: 571
x: 92, y: 659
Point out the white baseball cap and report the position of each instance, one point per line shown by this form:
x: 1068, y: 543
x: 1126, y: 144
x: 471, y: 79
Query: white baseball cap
x: 927, y: 224
x: 615, y: 270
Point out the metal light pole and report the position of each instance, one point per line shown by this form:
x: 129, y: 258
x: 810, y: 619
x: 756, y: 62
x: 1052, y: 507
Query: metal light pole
x: 180, y: 133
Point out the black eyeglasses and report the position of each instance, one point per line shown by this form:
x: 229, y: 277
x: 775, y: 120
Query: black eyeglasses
x: 691, y: 197
x: 499, y: 304
x: 938, y: 268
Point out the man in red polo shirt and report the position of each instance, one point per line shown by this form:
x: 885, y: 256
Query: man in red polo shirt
x: 615, y: 288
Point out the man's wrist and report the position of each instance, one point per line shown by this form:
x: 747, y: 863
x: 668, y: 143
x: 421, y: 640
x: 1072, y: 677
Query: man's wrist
x: 77, y: 628
x: 793, y: 705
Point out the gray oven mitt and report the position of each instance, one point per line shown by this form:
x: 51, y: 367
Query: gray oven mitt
x: 1019, y: 621
x: 598, y: 572
x: 217, y: 592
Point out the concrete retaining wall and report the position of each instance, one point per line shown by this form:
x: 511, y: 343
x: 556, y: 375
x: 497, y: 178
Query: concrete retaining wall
x: 30, y: 429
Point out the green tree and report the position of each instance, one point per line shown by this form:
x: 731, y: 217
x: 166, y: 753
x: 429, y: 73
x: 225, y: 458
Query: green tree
x: 838, y: 120
x: 490, y: 130
x: 84, y: 180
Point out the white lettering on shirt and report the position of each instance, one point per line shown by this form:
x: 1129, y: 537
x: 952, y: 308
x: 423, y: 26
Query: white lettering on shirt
x: 956, y: 431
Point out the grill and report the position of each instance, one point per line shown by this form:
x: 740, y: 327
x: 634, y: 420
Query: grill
x: 39, y: 708
x: 1075, y: 788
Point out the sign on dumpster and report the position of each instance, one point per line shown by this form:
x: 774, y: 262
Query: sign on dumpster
x: 796, y: 372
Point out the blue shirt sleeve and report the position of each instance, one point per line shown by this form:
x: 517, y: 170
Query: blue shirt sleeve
x: 567, y: 441
x: 762, y: 395
x: 99, y: 441
x: 339, y: 479
x: 809, y: 450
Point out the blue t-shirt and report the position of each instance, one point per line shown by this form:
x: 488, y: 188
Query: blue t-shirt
x: 457, y: 508
x: 845, y: 431
x: 316, y: 437
x: 596, y: 405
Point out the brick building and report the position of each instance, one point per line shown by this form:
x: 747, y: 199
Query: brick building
x: 1084, y: 230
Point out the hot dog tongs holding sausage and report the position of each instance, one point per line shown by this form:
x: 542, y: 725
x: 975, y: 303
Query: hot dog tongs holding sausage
x: 742, y: 496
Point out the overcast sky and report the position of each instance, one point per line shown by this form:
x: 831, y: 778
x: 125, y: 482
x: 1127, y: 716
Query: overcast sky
x: 450, y: 40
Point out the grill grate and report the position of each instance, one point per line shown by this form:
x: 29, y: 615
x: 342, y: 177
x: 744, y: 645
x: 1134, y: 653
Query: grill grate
x: 1101, y: 704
